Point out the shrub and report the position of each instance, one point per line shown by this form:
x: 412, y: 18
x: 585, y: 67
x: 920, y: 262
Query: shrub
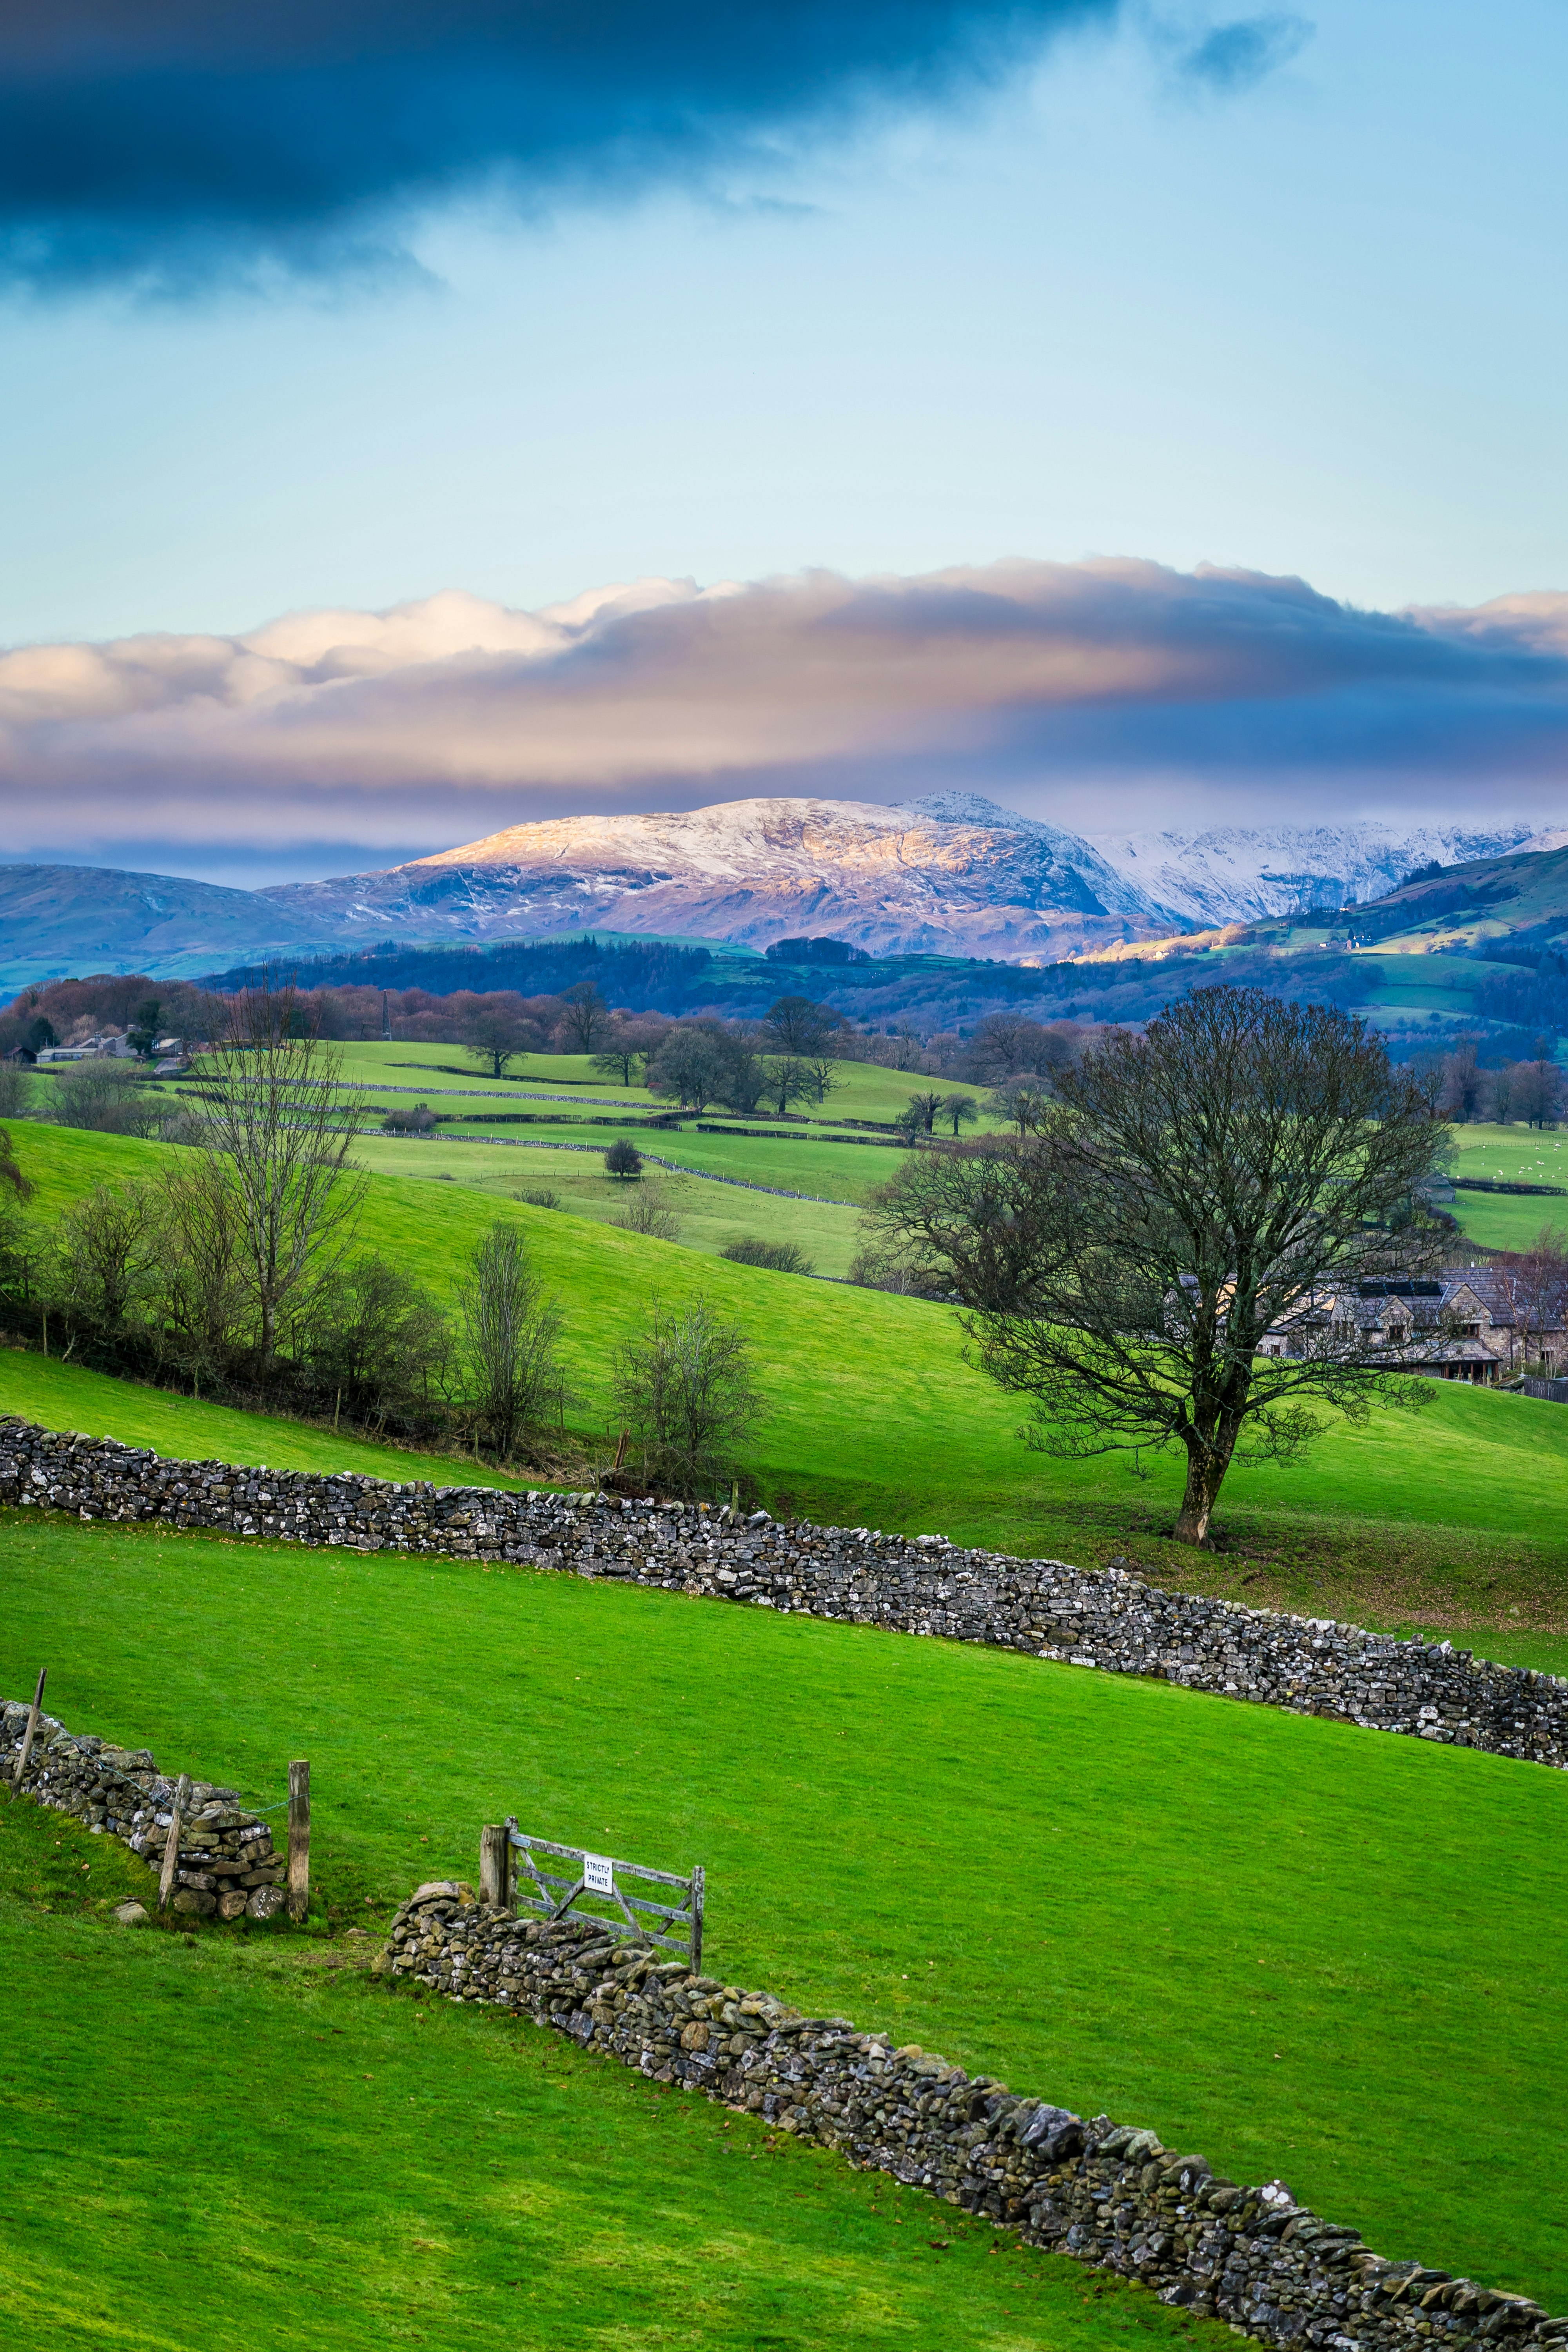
x: 108, y: 1096
x: 780, y: 1257
x: 623, y: 1158
x: 684, y: 1390
x: 379, y: 1340
x: 650, y: 1216
x: 512, y: 1327
x: 539, y: 1196
x: 420, y: 1121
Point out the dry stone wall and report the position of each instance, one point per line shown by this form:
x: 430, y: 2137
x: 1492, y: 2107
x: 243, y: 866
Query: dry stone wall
x: 226, y: 1864
x: 1107, y: 1618
x: 1107, y: 2194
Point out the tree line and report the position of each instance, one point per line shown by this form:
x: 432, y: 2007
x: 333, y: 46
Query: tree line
x: 241, y: 1272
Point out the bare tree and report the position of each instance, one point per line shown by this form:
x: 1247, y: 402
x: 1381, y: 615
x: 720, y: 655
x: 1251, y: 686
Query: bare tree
x: 795, y: 1025
x: 1021, y: 1102
x: 1535, y: 1284
x: 378, y: 1338
x: 1225, y: 1180
x: 11, y: 1174
x: 684, y: 1389
x: 497, y: 1036
x: 585, y: 1019
x: 692, y: 1063
x: 14, y: 1092
x: 1535, y: 1092
x: 109, y: 1098
x: 105, y: 1257
x: 202, y: 1297
x: 277, y: 1113
x: 512, y: 1327
x: 822, y: 1077
x: 787, y: 1080
x: 962, y: 1110
x: 622, y: 1050
x: 919, y: 1116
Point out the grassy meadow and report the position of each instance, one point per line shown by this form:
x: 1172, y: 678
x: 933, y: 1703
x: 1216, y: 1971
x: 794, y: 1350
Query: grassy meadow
x: 226, y: 2123
x: 1299, y: 1948
x: 1296, y: 1946
x: 1449, y: 1518
x: 1519, y: 1156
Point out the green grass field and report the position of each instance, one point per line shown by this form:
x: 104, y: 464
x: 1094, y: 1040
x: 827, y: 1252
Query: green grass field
x: 70, y: 1396
x: 1300, y: 1947
x: 1521, y: 1156
x: 1450, y: 1519
x: 211, y: 2141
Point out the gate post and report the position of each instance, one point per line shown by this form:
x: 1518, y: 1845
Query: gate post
x: 699, y: 1882
x: 495, y: 1854
x: 298, y: 1897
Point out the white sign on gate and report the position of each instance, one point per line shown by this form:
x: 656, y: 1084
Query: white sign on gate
x: 598, y: 1874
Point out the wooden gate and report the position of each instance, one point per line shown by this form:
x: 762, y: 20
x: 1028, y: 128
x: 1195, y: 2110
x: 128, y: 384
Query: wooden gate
x: 597, y: 1889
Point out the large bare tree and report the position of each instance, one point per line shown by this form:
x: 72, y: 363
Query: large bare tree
x: 276, y: 1112
x: 1230, y: 1177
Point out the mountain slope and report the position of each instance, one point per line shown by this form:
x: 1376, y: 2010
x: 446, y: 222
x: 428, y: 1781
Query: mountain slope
x: 58, y: 920
x: 1233, y: 875
x: 892, y: 879
x: 950, y: 874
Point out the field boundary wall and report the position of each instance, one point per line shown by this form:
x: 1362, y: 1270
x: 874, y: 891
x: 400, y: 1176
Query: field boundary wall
x: 1109, y: 2195
x: 1105, y: 1618
x: 225, y: 1862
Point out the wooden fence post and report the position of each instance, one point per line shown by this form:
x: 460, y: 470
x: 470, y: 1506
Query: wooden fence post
x: 698, y: 1883
x: 172, y: 1843
x: 298, y: 1839
x: 31, y: 1733
x: 495, y: 1853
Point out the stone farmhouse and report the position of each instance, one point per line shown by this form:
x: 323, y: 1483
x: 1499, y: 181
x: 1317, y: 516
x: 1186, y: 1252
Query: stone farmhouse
x: 1473, y: 1323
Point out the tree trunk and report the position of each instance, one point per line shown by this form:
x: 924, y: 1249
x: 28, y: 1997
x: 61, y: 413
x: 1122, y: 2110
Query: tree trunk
x: 1204, y: 1475
x: 1208, y: 1462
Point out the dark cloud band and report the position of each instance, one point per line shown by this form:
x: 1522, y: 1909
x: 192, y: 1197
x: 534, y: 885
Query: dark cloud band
x: 167, y: 141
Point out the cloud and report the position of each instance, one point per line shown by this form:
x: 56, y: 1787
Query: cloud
x: 1236, y: 57
x: 1101, y: 695
x: 169, y: 143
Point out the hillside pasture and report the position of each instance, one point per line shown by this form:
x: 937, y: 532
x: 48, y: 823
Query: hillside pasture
x: 1445, y: 1518
x: 1300, y: 1948
x: 214, y: 2141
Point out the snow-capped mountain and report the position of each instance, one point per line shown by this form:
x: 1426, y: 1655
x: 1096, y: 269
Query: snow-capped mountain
x: 950, y: 874
x: 958, y: 876
x: 1234, y: 875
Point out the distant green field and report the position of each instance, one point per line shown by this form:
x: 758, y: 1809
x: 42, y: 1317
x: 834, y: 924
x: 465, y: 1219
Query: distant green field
x: 863, y: 1089
x: 209, y: 2143
x: 1521, y: 1156
x: 1300, y: 1948
x: 709, y: 1214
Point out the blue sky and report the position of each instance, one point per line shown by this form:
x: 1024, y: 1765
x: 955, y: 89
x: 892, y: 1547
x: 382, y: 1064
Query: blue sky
x: 1307, y: 321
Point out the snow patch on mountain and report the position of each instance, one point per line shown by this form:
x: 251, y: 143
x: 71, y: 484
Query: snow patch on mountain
x: 1233, y: 874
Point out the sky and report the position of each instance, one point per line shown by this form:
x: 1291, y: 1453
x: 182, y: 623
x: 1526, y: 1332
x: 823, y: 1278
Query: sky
x: 1235, y: 340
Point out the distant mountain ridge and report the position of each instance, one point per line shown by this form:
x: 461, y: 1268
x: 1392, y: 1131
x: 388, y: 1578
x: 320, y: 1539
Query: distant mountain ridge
x: 949, y: 873
x: 901, y: 880
x: 1232, y: 875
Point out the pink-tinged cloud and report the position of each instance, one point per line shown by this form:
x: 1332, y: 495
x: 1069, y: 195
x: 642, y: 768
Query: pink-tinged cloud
x: 1098, y: 694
